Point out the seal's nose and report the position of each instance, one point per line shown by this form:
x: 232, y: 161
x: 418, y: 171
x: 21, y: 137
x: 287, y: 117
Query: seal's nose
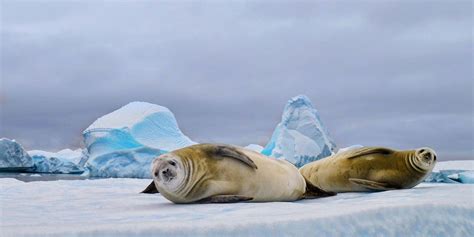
x: 427, y: 154
x: 168, y: 174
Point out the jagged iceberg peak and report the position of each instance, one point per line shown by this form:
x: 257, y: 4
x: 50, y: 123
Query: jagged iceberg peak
x: 300, y: 137
x: 124, y: 142
x: 13, y: 157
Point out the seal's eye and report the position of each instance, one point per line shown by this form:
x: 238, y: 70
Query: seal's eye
x: 422, y: 150
x: 172, y: 163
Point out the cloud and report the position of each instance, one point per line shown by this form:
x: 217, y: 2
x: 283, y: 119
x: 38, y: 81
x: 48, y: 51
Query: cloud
x: 391, y: 73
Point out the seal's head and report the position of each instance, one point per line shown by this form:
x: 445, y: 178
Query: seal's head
x: 424, y: 158
x: 168, y: 172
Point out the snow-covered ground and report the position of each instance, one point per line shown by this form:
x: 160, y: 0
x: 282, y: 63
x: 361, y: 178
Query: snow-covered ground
x: 114, y: 207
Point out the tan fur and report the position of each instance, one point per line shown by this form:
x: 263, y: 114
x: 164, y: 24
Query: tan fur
x: 393, y: 168
x: 272, y: 180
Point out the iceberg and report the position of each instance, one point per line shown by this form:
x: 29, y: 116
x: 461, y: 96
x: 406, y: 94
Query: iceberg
x: 349, y: 148
x: 13, y: 157
x: 255, y: 147
x: 300, y: 137
x: 125, y: 142
x: 458, y: 171
x: 466, y: 177
x: 128, y: 163
x: 63, y: 162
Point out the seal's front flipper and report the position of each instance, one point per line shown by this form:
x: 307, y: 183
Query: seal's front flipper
x: 151, y: 188
x: 225, y: 199
x: 363, y: 151
x: 313, y: 192
x: 234, y: 153
x: 372, y: 185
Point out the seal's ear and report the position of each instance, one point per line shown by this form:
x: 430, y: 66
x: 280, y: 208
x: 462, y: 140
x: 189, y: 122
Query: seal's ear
x: 354, y: 153
x: 151, y: 188
x: 234, y: 153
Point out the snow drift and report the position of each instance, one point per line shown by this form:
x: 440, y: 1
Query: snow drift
x: 125, y: 142
x: 300, y: 137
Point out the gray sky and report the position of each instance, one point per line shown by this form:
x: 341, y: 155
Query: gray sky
x: 395, y: 74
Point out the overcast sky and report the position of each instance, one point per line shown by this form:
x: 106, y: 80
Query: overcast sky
x: 397, y: 74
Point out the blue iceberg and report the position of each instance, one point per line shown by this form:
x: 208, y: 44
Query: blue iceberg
x: 125, y: 142
x: 300, y: 137
x: 457, y: 171
x: 466, y: 177
x: 63, y: 162
x: 13, y: 157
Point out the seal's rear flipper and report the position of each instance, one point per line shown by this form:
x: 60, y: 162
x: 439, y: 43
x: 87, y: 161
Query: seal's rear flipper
x: 225, y: 199
x: 313, y: 192
x: 372, y: 185
x: 151, y: 188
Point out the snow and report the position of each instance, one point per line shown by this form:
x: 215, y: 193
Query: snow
x: 13, y: 157
x: 123, y: 143
x: 300, y: 137
x: 63, y: 162
x: 458, y: 171
x: 114, y: 207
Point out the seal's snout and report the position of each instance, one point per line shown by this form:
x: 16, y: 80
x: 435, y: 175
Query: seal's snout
x: 168, y: 174
x: 165, y: 171
x: 426, y: 154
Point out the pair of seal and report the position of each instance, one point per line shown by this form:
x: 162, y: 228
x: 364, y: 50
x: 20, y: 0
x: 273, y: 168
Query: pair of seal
x: 370, y: 169
x: 211, y: 173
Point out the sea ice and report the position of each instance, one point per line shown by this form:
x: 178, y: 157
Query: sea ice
x: 300, y: 137
x: 123, y: 143
x: 13, y: 157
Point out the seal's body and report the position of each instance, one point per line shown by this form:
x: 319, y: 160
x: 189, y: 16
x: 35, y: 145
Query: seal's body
x: 222, y: 173
x: 370, y: 169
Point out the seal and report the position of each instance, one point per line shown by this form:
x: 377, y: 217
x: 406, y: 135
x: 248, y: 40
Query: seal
x: 370, y: 169
x: 214, y: 173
